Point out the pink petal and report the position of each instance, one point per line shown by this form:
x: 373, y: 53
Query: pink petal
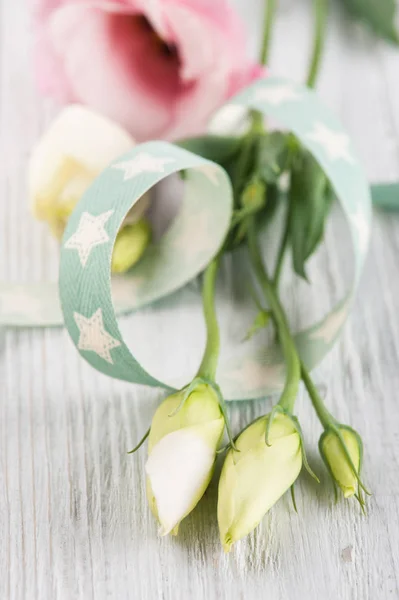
x: 97, y: 52
x: 107, y: 65
x: 239, y: 80
x: 211, y: 50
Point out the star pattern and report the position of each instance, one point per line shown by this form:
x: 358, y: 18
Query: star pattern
x: 362, y: 227
x: 94, y: 337
x: 142, y: 163
x: 89, y: 234
x: 331, y: 326
x: 334, y: 143
x: 211, y: 172
x: 253, y: 375
x: 277, y: 94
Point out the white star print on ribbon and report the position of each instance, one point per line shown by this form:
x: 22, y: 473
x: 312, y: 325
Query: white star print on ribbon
x: 278, y: 94
x: 334, y: 143
x: 93, y: 336
x: 142, y: 163
x: 89, y: 234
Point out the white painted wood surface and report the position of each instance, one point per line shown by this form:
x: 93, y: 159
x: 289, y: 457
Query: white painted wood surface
x: 74, y: 523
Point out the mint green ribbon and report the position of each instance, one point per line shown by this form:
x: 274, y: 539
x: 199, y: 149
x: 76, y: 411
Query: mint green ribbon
x: 85, y: 279
x: 385, y: 195
x: 91, y: 300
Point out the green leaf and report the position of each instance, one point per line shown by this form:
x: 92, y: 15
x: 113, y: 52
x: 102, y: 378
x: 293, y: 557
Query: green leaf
x: 309, y: 202
x: 261, y: 321
x: 379, y: 15
x: 273, y: 197
x: 213, y: 147
x: 274, y: 152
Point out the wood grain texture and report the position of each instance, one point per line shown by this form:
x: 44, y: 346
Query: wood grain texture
x: 74, y: 523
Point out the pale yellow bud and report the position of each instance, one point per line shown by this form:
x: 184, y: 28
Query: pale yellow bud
x: 131, y: 242
x: 256, y: 476
x: 333, y: 452
x: 77, y: 146
x: 182, y: 450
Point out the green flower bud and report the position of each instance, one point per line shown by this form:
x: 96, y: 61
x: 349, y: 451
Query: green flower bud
x: 257, y: 475
x: 254, y: 195
x: 338, y: 452
x: 130, y: 244
x: 182, y: 449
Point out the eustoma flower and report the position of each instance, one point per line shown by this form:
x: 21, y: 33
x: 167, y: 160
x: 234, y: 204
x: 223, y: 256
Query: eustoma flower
x: 269, y: 453
x: 77, y: 146
x: 182, y: 450
x: 341, y: 450
x: 265, y: 465
x: 159, y: 68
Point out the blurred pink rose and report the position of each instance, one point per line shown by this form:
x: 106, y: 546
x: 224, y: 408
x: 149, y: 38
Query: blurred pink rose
x: 158, y: 67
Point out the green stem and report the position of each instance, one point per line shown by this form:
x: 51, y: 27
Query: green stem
x: 324, y: 415
x: 293, y: 373
x: 270, y: 12
x: 209, y: 362
x: 320, y: 12
x: 281, y: 251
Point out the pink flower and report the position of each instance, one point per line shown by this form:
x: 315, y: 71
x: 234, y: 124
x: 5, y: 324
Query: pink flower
x: 158, y: 67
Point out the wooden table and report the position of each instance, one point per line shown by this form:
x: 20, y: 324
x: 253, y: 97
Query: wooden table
x: 74, y: 522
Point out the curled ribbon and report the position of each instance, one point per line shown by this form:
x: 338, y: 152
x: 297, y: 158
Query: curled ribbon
x: 91, y: 300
